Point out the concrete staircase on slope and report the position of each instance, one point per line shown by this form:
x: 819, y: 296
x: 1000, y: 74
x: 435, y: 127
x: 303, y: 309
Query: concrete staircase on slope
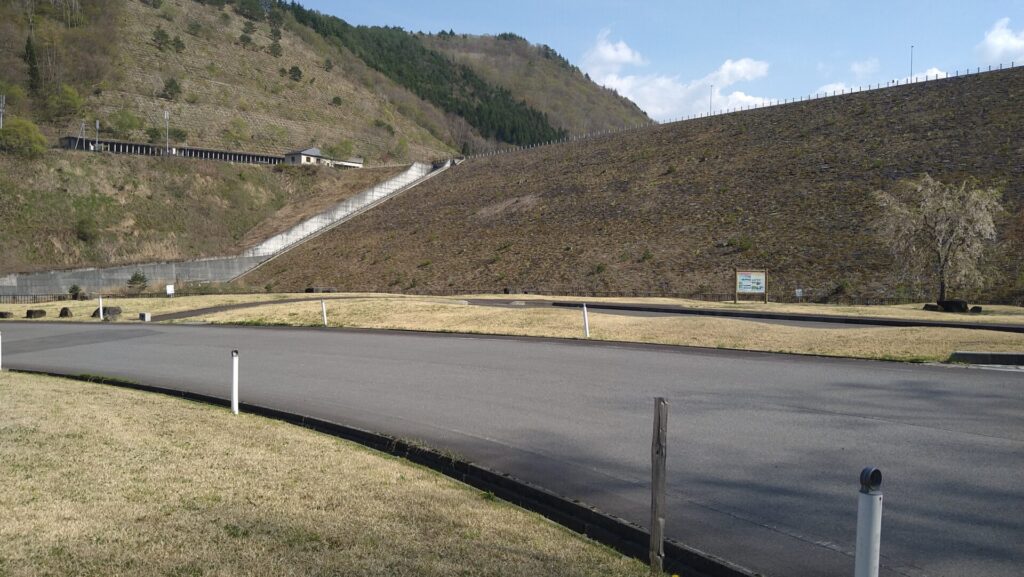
x: 219, y: 269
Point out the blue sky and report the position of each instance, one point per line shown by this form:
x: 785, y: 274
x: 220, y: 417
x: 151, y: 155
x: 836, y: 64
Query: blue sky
x: 666, y: 54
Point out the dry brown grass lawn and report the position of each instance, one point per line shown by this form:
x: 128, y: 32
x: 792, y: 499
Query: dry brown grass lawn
x: 451, y: 315
x: 131, y: 307
x: 998, y: 314
x: 105, y: 481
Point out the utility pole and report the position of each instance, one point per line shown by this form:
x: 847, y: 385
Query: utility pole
x: 3, y: 106
x: 711, y: 96
x: 911, y: 62
x: 167, y: 132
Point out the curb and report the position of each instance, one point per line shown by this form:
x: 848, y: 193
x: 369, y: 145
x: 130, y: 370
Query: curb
x: 870, y: 321
x: 625, y: 537
x: 983, y: 358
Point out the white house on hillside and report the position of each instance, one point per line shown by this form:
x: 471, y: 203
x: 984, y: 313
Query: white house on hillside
x: 314, y: 156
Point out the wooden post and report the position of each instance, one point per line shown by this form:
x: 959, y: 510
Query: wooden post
x: 658, y: 454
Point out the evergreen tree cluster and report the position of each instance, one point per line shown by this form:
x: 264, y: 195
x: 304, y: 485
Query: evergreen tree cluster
x: 452, y: 87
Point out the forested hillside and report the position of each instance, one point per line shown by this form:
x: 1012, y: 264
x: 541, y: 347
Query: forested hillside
x: 268, y: 77
x: 543, y: 78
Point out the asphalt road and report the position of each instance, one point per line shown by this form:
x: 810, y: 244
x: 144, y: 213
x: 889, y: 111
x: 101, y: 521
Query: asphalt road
x: 764, y: 449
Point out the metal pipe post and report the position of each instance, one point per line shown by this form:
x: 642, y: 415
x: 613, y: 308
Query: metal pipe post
x: 101, y: 307
x: 586, y: 321
x: 659, y: 451
x: 234, y: 382
x: 323, y: 308
x: 869, y: 523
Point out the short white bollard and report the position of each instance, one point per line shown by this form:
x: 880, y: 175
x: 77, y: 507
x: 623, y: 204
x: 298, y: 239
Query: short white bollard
x: 146, y: 317
x: 323, y: 307
x: 234, y: 382
x: 101, y: 307
x: 586, y: 321
x: 869, y: 523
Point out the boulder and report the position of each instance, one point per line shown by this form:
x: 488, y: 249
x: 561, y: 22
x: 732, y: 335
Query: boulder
x: 975, y: 310
x: 107, y: 311
x: 113, y: 316
x: 35, y: 314
x: 65, y: 313
x: 954, y: 306
x: 6, y: 315
x: 932, y: 308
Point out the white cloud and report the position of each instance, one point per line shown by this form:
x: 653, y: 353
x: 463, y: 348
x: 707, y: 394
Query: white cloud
x: 666, y: 97
x: 839, y: 87
x: 1001, y: 44
x: 864, y: 68
x: 607, y: 57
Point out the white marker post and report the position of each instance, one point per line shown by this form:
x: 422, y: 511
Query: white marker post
x: 101, y: 307
x: 234, y: 382
x: 323, y: 307
x: 869, y: 524
x: 586, y: 322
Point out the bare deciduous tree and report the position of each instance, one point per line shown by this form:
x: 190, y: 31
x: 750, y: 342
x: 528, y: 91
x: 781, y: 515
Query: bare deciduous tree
x: 939, y: 231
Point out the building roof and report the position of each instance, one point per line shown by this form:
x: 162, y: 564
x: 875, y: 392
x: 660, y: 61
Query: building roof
x: 307, y: 152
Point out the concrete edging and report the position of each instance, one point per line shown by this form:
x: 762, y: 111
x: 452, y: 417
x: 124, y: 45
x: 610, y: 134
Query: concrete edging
x: 625, y: 537
x: 869, y: 321
x: 987, y: 358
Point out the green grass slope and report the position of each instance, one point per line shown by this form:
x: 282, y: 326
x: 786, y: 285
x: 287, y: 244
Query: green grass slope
x: 675, y: 208
x: 72, y: 209
x: 541, y: 77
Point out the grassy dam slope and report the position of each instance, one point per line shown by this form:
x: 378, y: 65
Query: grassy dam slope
x: 673, y: 209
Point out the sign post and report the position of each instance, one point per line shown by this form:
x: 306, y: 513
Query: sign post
x: 751, y: 282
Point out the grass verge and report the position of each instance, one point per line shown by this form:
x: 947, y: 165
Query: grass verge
x: 451, y: 315
x: 107, y: 481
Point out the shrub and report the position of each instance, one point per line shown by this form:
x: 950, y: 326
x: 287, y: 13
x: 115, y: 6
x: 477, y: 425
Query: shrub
x: 387, y: 127
x: 161, y: 38
x: 295, y: 73
x: 194, y: 27
x: 336, y: 101
x: 122, y: 123
x: 66, y: 102
x: 275, y: 49
x: 74, y: 290
x: 245, y: 39
x: 171, y: 89
x: 248, y: 27
x: 86, y: 229
x: 22, y: 137
x: 328, y: 65
x: 138, y: 282
x: 178, y: 44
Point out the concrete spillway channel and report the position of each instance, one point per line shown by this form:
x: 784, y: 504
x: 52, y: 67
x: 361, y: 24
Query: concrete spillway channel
x: 219, y: 269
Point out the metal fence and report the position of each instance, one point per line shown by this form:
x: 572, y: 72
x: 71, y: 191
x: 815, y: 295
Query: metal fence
x: 33, y: 299
x: 765, y: 104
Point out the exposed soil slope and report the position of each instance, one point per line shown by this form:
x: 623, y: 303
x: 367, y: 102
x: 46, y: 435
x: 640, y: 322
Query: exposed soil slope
x: 675, y: 208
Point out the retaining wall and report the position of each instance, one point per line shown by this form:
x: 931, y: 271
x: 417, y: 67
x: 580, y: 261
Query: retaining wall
x: 97, y: 280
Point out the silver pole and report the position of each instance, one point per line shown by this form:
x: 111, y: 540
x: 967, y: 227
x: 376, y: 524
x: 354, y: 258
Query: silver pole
x: 323, y: 308
x: 586, y: 322
x: 869, y: 523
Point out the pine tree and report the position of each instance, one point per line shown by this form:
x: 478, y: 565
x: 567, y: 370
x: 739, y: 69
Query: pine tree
x: 34, y: 81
